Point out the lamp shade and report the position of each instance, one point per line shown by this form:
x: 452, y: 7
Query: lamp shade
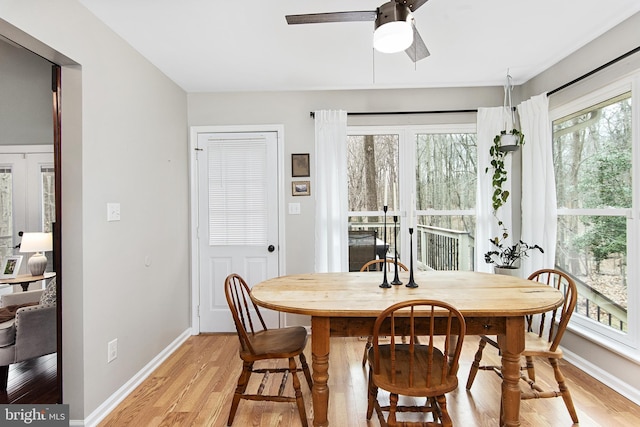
x: 394, y: 29
x: 36, y: 242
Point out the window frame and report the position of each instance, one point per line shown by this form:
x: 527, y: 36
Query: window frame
x: 623, y: 343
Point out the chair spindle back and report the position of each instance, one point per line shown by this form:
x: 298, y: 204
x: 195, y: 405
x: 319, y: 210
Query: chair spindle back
x: 559, y: 318
x: 424, y: 318
x: 242, y: 309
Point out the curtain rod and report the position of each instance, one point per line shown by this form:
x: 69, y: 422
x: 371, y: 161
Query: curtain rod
x: 387, y: 113
x: 600, y: 68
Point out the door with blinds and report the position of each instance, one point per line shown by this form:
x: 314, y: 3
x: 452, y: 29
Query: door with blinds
x: 237, y: 218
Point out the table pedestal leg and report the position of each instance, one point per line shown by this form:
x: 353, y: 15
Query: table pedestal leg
x: 320, y: 332
x: 511, y: 346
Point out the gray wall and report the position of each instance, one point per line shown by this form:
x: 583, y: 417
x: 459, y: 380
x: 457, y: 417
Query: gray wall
x: 25, y: 97
x: 124, y: 140
x: 292, y: 110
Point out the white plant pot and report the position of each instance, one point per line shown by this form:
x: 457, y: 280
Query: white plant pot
x: 507, y: 271
x: 508, y: 142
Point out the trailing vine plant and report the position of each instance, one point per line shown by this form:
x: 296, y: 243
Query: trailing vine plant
x: 499, y: 196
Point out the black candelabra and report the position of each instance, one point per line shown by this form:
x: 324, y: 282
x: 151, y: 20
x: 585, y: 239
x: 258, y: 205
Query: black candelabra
x: 396, y: 279
x: 385, y: 283
x: 412, y: 283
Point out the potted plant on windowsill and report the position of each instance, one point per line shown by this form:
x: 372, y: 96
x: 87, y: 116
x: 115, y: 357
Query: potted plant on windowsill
x: 506, y: 258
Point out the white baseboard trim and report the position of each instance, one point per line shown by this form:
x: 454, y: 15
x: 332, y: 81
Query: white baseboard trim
x: 625, y: 389
x: 114, y: 400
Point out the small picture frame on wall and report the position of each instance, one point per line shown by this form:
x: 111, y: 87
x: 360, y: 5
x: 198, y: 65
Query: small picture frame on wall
x: 300, y: 165
x: 301, y: 188
x: 10, y: 267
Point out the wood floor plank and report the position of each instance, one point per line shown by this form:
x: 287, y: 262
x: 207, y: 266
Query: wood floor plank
x: 194, y: 388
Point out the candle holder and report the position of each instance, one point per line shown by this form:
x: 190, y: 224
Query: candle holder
x: 385, y: 283
x: 396, y: 279
x: 412, y: 283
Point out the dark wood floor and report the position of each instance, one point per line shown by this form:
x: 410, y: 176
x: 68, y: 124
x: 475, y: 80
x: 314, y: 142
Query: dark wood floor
x: 33, y: 381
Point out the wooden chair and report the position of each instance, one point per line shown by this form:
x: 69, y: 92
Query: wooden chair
x: 376, y: 265
x: 263, y: 344
x: 417, y: 370
x: 542, y: 339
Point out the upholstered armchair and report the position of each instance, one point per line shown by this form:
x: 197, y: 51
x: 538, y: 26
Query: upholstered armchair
x: 32, y: 333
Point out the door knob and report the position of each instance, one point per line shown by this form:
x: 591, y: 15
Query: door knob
x: 271, y: 248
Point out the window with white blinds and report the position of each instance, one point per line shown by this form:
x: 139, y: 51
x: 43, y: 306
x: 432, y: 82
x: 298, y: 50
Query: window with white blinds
x: 237, y: 192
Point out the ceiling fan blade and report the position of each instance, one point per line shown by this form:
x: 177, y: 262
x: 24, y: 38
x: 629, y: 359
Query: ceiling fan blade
x: 418, y: 50
x: 320, y: 18
x: 412, y: 4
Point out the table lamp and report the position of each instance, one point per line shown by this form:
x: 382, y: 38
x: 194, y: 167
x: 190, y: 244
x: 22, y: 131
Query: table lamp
x: 38, y: 243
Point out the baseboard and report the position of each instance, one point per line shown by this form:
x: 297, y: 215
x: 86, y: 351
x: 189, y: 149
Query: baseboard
x: 625, y: 389
x: 114, y: 400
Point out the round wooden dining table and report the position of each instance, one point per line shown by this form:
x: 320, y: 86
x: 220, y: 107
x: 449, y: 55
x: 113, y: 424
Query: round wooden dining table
x: 346, y: 304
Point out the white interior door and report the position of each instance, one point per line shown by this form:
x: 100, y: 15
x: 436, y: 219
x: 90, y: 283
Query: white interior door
x: 237, y: 218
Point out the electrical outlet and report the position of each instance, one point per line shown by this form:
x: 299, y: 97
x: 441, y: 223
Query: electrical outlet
x: 112, y: 350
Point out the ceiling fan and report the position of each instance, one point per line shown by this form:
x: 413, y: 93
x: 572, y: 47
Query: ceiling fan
x: 395, y: 28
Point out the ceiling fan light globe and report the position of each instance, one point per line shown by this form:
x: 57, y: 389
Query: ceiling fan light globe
x: 393, y: 37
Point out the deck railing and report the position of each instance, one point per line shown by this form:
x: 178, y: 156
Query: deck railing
x: 443, y: 249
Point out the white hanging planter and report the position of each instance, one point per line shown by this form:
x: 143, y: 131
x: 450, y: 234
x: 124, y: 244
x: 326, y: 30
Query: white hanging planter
x: 511, y: 141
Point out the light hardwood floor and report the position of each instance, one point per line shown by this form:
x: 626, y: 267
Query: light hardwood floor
x: 193, y: 387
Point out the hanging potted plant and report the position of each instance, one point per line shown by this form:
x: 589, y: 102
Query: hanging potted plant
x: 505, y: 257
x: 508, y: 140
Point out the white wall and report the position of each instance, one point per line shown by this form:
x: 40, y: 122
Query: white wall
x: 621, y: 372
x: 124, y: 140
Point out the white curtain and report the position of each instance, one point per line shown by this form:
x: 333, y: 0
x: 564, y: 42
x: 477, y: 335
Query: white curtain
x: 331, y: 229
x: 539, y: 208
x: 490, y: 122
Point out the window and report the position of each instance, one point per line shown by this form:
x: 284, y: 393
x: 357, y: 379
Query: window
x: 430, y: 170
x: 446, y: 181
x: 595, y: 186
x: 6, y: 212
x: 48, y: 198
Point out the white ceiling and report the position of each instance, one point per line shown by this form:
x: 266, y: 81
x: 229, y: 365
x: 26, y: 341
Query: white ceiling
x: 230, y: 45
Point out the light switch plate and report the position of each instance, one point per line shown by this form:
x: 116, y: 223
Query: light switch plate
x: 113, y: 211
x: 294, y: 208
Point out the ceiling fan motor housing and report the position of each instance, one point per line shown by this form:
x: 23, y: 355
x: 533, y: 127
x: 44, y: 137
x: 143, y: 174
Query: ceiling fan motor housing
x: 397, y: 34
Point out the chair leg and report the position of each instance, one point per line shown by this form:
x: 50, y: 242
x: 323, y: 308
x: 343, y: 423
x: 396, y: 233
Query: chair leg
x: 367, y: 346
x: 298, y: 392
x: 445, y: 419
x: 393, y: 406
x: 476, y: 364
x: 564, y: 390
x: 243, y: 381
x: 4, y: 377
x: 305, y: 369
x: 531, y: 370
x: 372, y: 395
